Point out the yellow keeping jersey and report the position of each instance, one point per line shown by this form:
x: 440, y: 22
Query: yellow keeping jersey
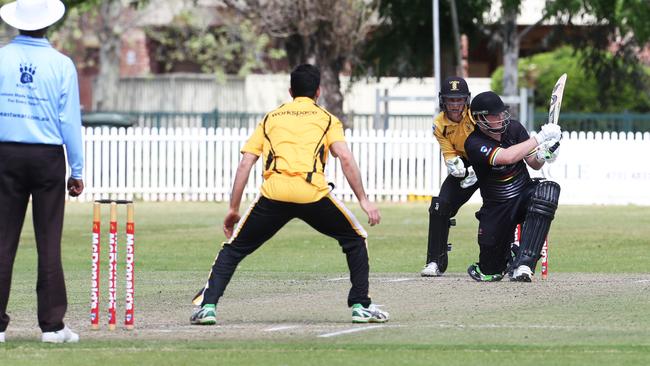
x: 294, y: 142
x: 451, y: 135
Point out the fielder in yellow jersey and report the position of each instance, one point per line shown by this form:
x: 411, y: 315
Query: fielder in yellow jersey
x: 294, y: 142
x: 452, y: 135
x: 451, y: 128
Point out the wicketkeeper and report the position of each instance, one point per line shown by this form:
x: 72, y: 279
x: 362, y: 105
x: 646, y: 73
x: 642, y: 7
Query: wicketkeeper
x: 295, y: 140
x: 451, y: 128
x: 497, y: 150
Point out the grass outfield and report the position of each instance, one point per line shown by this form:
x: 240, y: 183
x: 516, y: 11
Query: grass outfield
x: 289, y: 297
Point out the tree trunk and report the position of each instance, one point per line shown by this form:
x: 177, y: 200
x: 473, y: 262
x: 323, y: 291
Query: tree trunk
x: 331, y: 89
x: 302, y: 50
x: 105, y: 87
x: 510, y: 53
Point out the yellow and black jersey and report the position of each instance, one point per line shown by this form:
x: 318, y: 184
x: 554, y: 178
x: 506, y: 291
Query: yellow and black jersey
x: 294, y: 142
x: 451, y: 135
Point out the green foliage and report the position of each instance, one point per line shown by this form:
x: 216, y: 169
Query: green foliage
x: 610, y: 46
x: 233, y: 48
x: 78, y: 33
x: 630, y: 17
x: 68, y: 36
x: 541, y: 71
x: 402, y: 45
x: 83, y: 5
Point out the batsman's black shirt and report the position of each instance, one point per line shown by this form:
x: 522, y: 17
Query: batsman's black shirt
x: 498, y: 183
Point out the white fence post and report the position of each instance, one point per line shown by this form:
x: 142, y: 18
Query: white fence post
x: 200, y: 164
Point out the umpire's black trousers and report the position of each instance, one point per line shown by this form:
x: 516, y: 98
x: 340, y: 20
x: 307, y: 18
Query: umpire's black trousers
x: 265, y: 217
x: 38, y: 171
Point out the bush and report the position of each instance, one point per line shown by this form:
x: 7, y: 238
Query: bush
x: 541, y: 71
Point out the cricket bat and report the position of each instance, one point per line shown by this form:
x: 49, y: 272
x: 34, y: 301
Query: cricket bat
x: 556, y: 103
x: 553, y: 117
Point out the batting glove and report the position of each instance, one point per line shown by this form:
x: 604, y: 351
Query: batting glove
x: 544, y: 153
x: 455, y: 167
x: 470, y: 179
x: 549, y: 131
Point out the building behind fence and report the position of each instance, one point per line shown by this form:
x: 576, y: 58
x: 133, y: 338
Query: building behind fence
x: 571, y: 122
x: 201, y: 93
x: 198, y: 164
x: 200, y: 100
x: 174, y: 93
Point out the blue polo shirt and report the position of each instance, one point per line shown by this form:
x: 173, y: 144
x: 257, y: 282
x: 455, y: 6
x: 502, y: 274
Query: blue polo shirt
x: 39, y: 98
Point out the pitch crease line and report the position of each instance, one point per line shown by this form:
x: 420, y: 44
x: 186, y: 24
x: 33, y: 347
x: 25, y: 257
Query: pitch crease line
x: 281, y: 327
x: 398, y: 280
x: 348, y: 331
x: 337, y: 279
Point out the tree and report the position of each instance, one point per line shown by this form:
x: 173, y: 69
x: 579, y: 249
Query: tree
x: 6, y: 31
x: 507, y: 34
x: 402, y: 44
x: 69, y: 36
x: 234, y: 47
x: 542, y: 70
x: 610, y: 50
x: 618, y: 28
x: 113, y: 18
x: 327, y: 33
x: 107, y: 20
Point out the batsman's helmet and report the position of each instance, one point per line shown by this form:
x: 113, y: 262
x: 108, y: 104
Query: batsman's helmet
x: 453, y: 87
x: 489, y: 103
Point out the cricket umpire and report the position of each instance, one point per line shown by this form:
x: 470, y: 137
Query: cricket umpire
x: 498, y: 149
x: 451, y: 128
x: 39, y: 115
x: 295, y: 141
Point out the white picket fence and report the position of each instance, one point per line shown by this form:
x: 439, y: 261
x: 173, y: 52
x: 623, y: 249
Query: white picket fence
x: 197, y: 164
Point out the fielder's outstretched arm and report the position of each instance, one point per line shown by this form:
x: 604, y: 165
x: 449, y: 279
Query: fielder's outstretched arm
x: 241, y: 178
x: 351, y: 171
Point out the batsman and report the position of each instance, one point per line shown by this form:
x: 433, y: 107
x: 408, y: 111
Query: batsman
x: 451, y: 127
x: 499, y: 149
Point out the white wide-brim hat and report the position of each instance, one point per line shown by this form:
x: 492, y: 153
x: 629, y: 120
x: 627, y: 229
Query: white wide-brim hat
x: 32, y: 15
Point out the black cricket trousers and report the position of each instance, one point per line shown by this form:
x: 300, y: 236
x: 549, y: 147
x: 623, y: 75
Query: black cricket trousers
x: 265, y: 217
x: 35, y: 170
x: 497, y: 222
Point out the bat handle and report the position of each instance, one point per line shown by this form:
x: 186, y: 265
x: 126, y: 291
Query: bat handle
x: 554, y: 147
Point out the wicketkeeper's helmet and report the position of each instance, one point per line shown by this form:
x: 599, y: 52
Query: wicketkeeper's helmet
x: 489, y: 103
x: 453, y: 87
